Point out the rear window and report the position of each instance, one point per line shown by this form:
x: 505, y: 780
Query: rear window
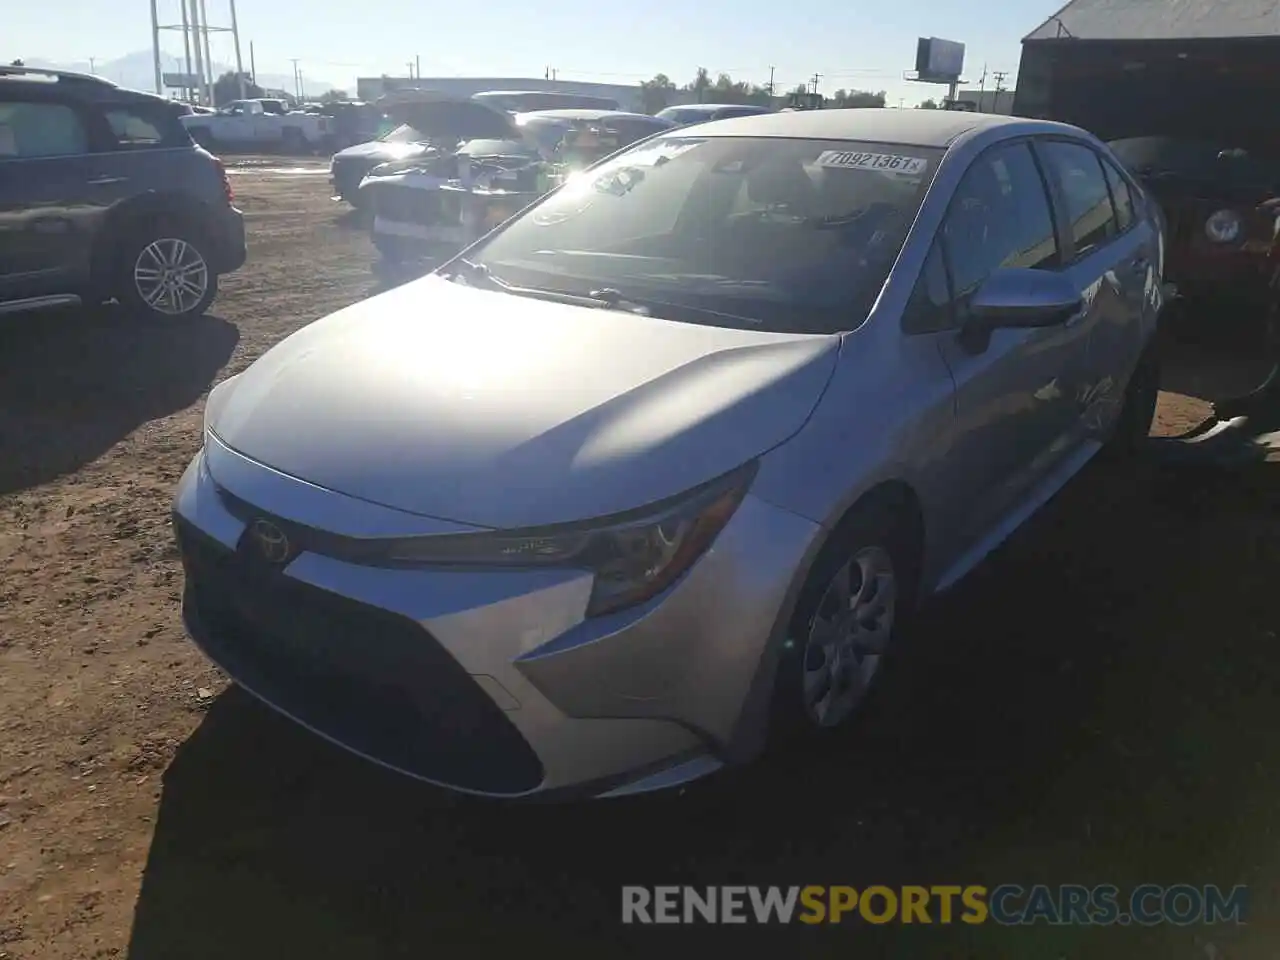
x: 787, y: 235
x: 140, y: 126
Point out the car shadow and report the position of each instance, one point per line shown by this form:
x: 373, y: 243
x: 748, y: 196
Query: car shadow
x: 74, y: 383
x: 1072, y: 713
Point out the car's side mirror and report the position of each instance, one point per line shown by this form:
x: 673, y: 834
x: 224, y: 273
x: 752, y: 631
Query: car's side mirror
x: 1018, y: 297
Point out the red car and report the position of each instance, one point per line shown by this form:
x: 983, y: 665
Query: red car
x: 1220, y: 232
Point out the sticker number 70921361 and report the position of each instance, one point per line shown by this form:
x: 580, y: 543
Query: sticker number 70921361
x: 855, y: 160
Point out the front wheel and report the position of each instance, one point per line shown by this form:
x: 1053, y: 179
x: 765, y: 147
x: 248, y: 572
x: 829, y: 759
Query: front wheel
x: 849, y: 616
x: 165, y: 274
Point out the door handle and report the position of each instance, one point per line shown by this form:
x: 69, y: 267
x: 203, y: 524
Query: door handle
x: 105, y: 181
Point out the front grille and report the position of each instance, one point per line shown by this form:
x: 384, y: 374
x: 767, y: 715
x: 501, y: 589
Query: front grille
x: 413, y: 205
x: 372, y: 680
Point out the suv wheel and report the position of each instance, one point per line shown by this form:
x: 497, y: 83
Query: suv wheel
x: 165, y: 274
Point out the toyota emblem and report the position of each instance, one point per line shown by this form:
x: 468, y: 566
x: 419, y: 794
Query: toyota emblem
x: 271, y: 541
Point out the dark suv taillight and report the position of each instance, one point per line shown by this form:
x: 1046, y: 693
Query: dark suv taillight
x: 226, y: 181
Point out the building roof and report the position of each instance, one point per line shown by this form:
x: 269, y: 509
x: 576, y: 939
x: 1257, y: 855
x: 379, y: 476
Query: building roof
x: 918, y: 128
x: 1161, y: 20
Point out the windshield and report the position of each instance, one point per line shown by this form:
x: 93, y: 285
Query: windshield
x: 685, y: 116
x: 775, y: 234
x: 1201, y: 160
x: 404, y: 134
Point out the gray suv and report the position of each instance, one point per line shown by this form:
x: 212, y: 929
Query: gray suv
x: 104, y: 196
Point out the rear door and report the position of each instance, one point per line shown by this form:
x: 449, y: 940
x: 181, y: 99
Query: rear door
x: 1016, y: 410
x: 46, y: 198
x: 1109, y: 265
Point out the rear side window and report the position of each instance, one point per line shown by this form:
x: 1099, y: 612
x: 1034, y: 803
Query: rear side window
x: 145, y: 126
x: 39, y: 130
x: 1090, y: 217
x: 1120, y: 196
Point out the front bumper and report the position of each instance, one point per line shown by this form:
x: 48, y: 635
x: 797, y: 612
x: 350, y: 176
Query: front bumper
x: 485, y: 682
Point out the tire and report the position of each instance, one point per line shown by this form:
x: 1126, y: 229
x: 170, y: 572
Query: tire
x: 147, y: 252
x: 1138, y: 409
x: 877, y: 539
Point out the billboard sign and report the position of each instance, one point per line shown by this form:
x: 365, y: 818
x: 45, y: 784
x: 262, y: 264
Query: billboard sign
x: 182, y: 81
x: 940, y: 61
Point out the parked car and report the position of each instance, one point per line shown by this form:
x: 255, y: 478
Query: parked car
x: 422, y: 206
x: 525, y: 101
x: 656, y: 470
x: 690, y: 113
x: 260, y: 125
x: 1218, y: 234
x: 426, y: 125
x: 104, y: 196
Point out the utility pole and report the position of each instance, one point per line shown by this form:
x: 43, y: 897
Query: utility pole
x: 92, y: 71
x: 155, y: 47
x: 409, y: 65
x: 417, y: 66
x: 195, y: 43
x: 186, y: 47
x: 998, y: 76
x: 294, y: 61
x: 813, y: 81
x: 235, y: 36
x: 771, y: 83
x: 253, y: 66
x: 208, y: 57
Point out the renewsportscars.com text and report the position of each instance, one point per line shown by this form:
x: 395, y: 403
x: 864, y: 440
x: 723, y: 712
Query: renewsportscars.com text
x: 1007, y: 905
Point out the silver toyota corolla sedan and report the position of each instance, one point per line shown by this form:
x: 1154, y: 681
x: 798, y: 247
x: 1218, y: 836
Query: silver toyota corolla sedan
x: 651, y: 473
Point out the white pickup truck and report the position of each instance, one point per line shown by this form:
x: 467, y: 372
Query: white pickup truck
x: 260, y: 125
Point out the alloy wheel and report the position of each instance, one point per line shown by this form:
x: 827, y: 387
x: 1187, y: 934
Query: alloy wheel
x: 171, y: 276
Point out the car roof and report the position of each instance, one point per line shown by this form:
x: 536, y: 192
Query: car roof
x: 919, y: 128
x: 61, y: 84
x: 582, y: 113
x: 712, y: 107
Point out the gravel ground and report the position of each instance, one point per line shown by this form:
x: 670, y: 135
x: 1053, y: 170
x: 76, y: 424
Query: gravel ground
x: 1097, y: 704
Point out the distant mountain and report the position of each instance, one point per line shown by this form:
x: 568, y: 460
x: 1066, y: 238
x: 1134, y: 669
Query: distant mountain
x: 135, y: 70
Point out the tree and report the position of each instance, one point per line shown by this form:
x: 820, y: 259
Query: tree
x: 227, y: 88
x: 329, y: 96
x: 701, y: 83
x: 656, y: 94
x: 929, y: 104
x: 858, y: 98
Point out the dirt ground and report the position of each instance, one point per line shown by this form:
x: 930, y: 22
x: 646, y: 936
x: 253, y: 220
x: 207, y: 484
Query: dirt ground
x: 1097, y: 704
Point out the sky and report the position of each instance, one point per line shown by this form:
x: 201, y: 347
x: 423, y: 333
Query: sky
x: 863, y: 44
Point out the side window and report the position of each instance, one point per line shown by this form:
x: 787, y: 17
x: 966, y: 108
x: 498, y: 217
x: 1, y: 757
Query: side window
x: 141, y: 126
x: 1120, y: 195
x: 1091, y: 219
x: 999, y: 217
x: 929, y: 309
x: 33, y: 130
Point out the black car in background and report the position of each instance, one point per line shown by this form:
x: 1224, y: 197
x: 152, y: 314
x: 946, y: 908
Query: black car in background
x: 690, y: 113
x: 103, y: 195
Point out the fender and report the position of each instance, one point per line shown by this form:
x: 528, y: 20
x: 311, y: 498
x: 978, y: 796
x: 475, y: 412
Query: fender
x: 135, y: 211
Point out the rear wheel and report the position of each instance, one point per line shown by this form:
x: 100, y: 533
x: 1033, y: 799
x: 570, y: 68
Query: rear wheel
x: 164, y: 272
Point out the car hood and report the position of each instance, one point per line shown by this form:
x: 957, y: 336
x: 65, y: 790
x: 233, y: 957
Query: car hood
x: 502, y: 411
x: 448, y: 117
x: 380, y: 151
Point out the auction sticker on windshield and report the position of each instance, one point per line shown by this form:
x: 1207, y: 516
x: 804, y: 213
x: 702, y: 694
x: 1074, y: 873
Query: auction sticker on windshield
x: 887, y: 162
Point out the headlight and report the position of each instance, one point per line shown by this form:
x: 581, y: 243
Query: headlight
x: 1223, y: 227
x: 633, y: 556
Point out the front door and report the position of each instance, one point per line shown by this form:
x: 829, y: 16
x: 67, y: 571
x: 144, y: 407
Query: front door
x: 1017, y: 390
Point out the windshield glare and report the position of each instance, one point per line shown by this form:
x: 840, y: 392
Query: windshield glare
x: 775, y: 234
